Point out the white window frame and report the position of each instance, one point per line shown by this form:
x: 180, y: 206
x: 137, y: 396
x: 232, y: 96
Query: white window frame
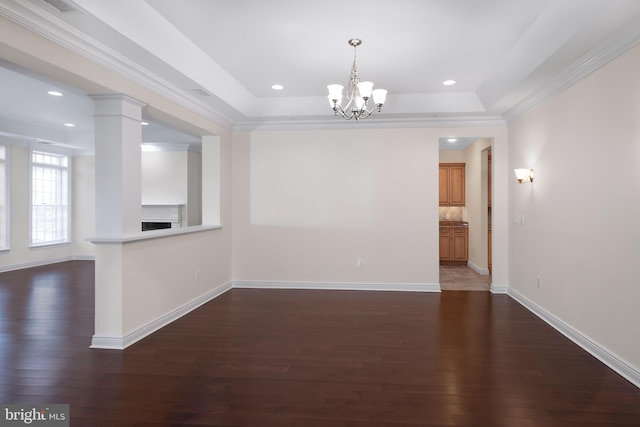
x: 65, y: 237
x: 4, y: 193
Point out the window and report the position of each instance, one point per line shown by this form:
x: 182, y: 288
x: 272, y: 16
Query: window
x: 49, y: 198
x: 3, y: 199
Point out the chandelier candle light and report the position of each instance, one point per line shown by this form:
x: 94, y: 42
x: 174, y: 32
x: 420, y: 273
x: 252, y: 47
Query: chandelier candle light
x: 358, y: 93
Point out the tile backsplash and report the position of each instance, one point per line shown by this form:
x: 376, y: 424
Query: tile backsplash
x: 450, y: 213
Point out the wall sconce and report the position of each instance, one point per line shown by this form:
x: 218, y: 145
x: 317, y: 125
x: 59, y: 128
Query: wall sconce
x: 522, y: 174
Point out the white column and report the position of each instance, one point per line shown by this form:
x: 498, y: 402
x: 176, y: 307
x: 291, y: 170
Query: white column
x: 211, y: 188
x: 118, y: 209
x: 118, y: 136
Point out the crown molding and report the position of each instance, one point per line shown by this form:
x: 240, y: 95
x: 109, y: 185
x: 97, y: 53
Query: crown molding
x: 612, y: 47
x: 380, y: 122
x: 59, y: 32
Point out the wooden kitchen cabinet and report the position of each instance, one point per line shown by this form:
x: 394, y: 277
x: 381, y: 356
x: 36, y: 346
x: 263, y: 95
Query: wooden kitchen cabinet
x: 454, y: 245
x: 451, y: 184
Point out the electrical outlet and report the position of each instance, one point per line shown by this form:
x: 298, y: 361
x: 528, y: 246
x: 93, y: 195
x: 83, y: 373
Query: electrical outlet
x: 197, y: 275
x: 360, y: 263
x: 539, y: 282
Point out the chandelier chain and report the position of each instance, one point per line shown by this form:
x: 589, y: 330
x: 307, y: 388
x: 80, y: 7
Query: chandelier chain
x: 354, y: 79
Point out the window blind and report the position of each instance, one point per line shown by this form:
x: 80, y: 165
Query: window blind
x: 49, y: 203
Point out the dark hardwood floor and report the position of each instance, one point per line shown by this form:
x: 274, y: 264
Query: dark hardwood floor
x: 291, y: 358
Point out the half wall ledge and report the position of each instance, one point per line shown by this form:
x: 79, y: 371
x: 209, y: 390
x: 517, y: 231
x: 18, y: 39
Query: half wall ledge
x: 153, y: 234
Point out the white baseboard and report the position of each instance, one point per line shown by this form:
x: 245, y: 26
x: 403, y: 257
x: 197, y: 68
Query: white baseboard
x: 620, y: 366
x: 107, y: 343
x: 481, y: 271
x: 48, y: 261
x: 402, y: 287
x: 120, y: 343
x: 36, y: 263
x: 499, y: 289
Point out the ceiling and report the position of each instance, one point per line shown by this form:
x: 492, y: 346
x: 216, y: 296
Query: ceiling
x: 223, y: 57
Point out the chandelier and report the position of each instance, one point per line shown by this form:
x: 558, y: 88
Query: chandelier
x: 358, y: 93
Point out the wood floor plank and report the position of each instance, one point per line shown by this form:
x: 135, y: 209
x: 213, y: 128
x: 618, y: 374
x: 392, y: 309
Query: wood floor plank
x: 303, y: 358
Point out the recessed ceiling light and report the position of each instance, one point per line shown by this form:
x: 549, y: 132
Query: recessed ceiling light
x: 144, y: 123
x: 54, y: 93
x: 277, y: 87
x: 452, y: 140
x: 449, y: 82
x: 69, y: 125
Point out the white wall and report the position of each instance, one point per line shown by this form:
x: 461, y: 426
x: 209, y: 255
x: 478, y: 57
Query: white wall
x: 581, y: 234
x: 452, y: 156
x: 308, y: 204
x: 184, y: 255
x: 476, y: 203
x: 164, y: 177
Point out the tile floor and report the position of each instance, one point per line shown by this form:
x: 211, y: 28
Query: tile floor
x: 462, y: 278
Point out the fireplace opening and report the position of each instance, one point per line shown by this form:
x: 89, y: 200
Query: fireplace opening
x: 149, y: 225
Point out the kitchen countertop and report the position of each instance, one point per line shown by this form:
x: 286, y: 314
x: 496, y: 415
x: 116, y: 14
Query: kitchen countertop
x: 454, y: 224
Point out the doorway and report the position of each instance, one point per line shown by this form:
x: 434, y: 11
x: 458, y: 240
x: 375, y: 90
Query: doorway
x: 466, y: 224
